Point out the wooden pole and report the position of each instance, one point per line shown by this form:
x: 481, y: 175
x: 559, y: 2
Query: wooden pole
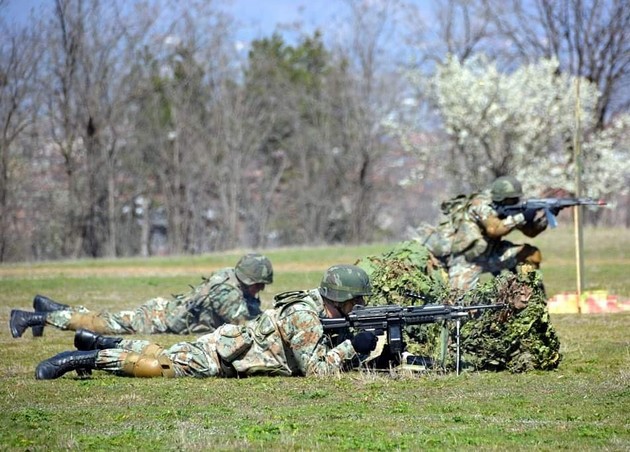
x: 577, y: 213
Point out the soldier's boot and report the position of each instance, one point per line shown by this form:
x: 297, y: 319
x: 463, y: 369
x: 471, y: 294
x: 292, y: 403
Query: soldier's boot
x: 45, y: 304
x: 64, y: 362
x: 528, y: 259
x: 88, y: 340
x: 147, y: 366
x: 21, y: 320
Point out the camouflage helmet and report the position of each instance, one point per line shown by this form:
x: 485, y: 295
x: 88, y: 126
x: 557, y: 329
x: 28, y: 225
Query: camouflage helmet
x: 344, y: 282
x: 506, y: 187
x: 254, y: 269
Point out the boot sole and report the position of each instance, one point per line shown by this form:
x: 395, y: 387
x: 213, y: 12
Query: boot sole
x: 15, y: 332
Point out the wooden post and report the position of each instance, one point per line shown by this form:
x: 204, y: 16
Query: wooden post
x: 577, y: 213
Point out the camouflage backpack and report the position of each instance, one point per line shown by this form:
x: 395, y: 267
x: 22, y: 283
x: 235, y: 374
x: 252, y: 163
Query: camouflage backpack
x: 437, y: 239
x: 456, y: 233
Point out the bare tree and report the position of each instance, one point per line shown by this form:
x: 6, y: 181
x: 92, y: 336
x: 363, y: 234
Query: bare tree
x: 248, y: 174
x: 19, y: 57
x: 192, y: 125
x: 90, y: 46
x: 370, y: 94
x: 461, y: 29
x: 590, y: 38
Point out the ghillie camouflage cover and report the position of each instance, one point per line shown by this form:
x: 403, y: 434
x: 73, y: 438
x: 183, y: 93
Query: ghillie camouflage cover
x: 409, y: 266
x: 518, y: 339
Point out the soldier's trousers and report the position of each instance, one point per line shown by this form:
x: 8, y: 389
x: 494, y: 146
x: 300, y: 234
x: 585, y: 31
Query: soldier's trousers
x: 189, y: 359
x: 153, y: 317
x: 464, y: 275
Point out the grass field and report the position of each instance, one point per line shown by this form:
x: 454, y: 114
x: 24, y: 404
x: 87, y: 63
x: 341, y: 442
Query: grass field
x: 583, y: 405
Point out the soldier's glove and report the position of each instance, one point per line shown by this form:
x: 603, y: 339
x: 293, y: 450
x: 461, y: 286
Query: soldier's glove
x: 364, y: 342
x: 540, y: 223
x: 530, y: 215
x: 253, y: 305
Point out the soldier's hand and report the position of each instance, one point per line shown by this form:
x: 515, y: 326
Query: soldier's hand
x: 515, y: 220
x: 364, y: 342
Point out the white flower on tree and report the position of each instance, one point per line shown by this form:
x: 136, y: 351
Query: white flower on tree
x: 523, y: 122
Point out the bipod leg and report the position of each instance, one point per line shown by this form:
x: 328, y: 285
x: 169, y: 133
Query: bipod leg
x: 457, y: 358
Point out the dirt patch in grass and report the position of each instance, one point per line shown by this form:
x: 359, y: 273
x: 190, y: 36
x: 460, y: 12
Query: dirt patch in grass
x: 141, y: 270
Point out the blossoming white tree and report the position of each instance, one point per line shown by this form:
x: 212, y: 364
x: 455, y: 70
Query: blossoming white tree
x: 523, y: 123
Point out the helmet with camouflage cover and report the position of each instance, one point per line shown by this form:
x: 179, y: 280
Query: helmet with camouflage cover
x: 506, y: 187
x: 344, y: 282
x: 254, y: 269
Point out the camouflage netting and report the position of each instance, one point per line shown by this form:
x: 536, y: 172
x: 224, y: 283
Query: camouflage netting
x: 407, y: 267
x: 518, y: 338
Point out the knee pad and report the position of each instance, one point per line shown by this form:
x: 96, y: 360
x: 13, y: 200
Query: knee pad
x: 152, y: 350
x: 529, y: 255
x: 88, y: 321
x: 144, y: 366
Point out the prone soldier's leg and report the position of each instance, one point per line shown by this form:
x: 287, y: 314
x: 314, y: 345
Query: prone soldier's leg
x: 148, y: 318
x: 139, y: 359
x: 74, y: 319
x: 149, y: 361
x: 146, y: 359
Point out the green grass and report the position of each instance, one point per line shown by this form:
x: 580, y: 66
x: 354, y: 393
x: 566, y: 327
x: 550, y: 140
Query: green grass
x: 583, y: 405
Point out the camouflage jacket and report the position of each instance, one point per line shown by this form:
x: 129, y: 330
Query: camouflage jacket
x: 473, y: 225
x: 286, y: 340
x: 217, y: 300
x: 481, y: 211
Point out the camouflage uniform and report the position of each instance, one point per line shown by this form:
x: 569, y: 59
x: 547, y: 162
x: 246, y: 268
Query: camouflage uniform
x: 286, y: 340
x: 229, y: 295
x: 483, y: 253
x: 217, y: 300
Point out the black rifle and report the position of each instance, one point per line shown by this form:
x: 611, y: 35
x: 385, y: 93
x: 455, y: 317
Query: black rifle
x: 551, y: 207
x: 393, y: 318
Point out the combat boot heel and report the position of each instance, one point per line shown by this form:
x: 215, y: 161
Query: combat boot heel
x: 21, y: 320
x: 88, y: 340
x: 45, y: 304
